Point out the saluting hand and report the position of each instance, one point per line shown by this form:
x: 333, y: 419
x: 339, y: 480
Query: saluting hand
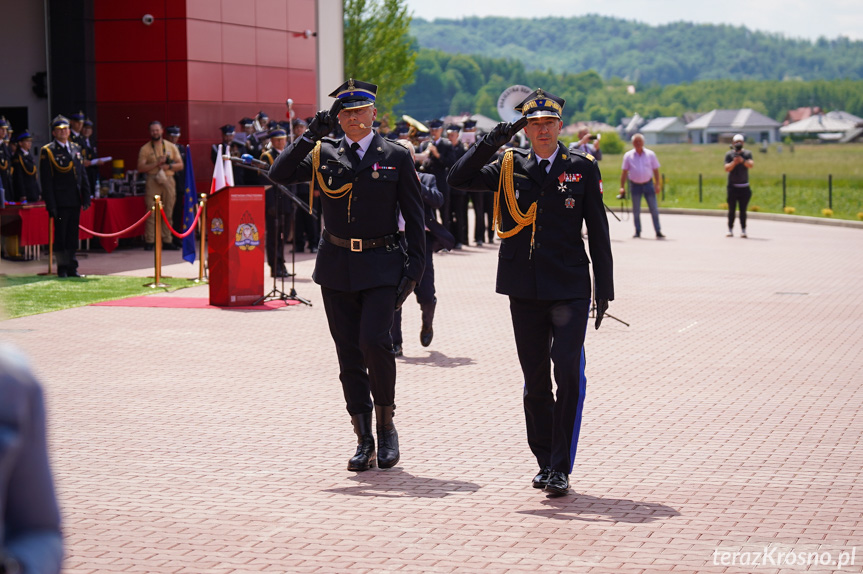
x: 503, y: 132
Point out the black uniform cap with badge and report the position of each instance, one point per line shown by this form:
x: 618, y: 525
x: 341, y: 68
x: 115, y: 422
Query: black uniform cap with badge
x: 173, y: 130
x: 227, y: 129
x: 541, y: 104
x: 59, y: 122
x: 25, y: 135
x: 355, y: 94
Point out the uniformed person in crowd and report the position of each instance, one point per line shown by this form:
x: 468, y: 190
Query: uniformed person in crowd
x: 364, y: 271
x: 5, y: 163
x: 66, y: 192
x: 227, y: 137
x: 173, y: 134
x: 159, y: 159
x: 24, y: 170
x: 252, y: 145
x: 440, y: 160
x: 262, y: 121
x: 437, y: 238
x: 76, y: 126
x: 279, y: 209
x: 545, y: 194
x: 88, y: 150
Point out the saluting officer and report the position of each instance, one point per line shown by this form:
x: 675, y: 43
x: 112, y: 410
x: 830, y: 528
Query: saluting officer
x: 278, y: 209
x: 25, y: 179
x: 66, y: 191
x: 364, y: 273
x: 546, y: 193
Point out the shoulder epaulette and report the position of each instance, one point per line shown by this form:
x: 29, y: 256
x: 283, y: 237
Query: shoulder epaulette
x: 583, y: 154
x: 332, y: 141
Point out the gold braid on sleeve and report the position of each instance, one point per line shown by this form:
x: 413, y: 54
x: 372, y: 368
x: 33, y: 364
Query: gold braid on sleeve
x: 331, y: 193
x: 521, y: 220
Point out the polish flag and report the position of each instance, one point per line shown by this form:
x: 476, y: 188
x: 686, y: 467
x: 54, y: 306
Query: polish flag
x: 219, y: 177
x: 229, y: 172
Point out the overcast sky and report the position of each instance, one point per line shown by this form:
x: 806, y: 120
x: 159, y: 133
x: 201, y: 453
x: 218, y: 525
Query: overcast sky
x: 793, y: 18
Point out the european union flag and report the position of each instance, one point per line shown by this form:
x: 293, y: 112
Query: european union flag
x: 190, y: 208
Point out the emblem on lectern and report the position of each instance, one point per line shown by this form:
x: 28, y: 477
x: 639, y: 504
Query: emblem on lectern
x: 217, y: 226
x: 247, y: 233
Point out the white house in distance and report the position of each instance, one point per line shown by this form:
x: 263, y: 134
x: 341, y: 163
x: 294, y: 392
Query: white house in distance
x: 664, y: 131
x: 723, y: 124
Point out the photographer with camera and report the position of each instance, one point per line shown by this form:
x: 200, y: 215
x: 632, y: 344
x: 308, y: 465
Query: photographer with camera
x: 587, y: 143
x: 738, y: 162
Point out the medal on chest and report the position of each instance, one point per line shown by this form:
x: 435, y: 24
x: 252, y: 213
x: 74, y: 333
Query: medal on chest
x: 569, y: 202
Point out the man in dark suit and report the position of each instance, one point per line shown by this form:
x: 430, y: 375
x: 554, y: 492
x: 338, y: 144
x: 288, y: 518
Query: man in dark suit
x: 279, y: 208
x: 364, y: 272
x: 437, y: 238
x: 546, y: 193
x: 440, y: 159
x: 26, y: 181
x: 66, y: 191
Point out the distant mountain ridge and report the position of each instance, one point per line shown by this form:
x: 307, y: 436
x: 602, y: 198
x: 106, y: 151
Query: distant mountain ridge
x: 667, y: 54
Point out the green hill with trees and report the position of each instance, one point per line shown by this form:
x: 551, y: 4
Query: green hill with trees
x: 637, y: 52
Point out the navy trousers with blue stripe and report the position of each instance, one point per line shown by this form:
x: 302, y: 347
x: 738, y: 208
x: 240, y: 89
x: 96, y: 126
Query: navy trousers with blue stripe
x: 552, y: 333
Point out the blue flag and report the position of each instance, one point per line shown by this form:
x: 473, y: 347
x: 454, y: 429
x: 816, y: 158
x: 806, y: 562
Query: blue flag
x: 190, y: 208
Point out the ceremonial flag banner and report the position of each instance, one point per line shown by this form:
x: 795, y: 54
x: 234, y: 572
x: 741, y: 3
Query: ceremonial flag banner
x: 219, y: 180
x: 189, y: 208
x: 229, y: 173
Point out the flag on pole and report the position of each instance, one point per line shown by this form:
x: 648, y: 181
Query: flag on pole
x: 218, y: 173
x: 229, y: 171
x: 190, y: 207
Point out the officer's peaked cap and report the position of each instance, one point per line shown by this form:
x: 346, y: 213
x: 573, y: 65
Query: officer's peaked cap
x: 541, y: 104
x: 356, y: 94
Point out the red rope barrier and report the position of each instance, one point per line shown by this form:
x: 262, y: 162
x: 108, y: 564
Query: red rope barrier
x: 188, y: 231
x: 119, y: 233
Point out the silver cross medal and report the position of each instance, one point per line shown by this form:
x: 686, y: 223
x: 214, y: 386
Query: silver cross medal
x: 561, y: 187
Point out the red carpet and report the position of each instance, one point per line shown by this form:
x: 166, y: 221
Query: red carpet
x: 187, y: 303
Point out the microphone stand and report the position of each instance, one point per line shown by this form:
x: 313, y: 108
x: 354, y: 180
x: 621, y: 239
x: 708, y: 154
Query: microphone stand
x: 275, y: 293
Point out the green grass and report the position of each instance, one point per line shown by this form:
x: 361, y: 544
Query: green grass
x: 806, y: 172
x: 29, y: 295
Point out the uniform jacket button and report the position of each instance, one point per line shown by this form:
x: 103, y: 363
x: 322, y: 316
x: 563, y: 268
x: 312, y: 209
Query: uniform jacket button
x: 353, y: 219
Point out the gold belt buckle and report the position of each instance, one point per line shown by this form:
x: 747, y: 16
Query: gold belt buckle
x: 356, y: 244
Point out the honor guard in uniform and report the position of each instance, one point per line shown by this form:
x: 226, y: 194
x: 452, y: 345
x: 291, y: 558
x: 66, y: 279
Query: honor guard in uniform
x: 66, y: 191
x: 5, y: 163
x: 365, y: 273
x: 542, y: 195
x: 440, y: 160
x: 173, y: 135
x: 253, y: 147
x: 76, y: 126
x: 88, y: 150
x: 227, y: 137
x: 279, y: 208
x: 24, y: 176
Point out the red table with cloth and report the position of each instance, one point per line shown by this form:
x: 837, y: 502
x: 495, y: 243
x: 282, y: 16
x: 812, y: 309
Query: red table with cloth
x: 30, y: 223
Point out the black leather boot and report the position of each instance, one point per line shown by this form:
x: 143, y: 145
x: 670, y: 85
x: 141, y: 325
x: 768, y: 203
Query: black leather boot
x: 388, y: 438
x: 364, y: 459
x: 426, y: 331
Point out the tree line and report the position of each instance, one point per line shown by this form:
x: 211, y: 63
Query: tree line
x: 446, y: 83
x: 637, y: 52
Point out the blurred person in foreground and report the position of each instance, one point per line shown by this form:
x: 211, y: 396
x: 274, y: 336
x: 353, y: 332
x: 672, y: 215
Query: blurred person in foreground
x: 542, y: 196
x: 31, y: 540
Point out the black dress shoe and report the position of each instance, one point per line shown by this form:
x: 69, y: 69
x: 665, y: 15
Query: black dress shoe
x: 279, y: 273
x: 73, y: 274
x: 558, y: 484
x: 426, y: 334
x: 365, y: 457
x: 541, y: 479
x: 62, y: 273
x: 149, y: 246
x: 169, y: 247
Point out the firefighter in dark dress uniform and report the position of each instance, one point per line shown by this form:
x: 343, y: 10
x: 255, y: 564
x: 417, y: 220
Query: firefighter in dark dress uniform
x: 5, y: 164
x: 173, y: 134
x: 227, y: 137
x: 545, y: 194
x: 24, y: 174
x: 364, y: 272
x: 66, y: 191
x: 279, y: 209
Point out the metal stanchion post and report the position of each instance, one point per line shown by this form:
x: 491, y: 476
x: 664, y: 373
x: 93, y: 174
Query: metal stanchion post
x: 202, y: 229
x: 157, y: 213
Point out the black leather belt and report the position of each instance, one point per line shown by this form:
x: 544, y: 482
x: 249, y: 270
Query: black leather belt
x: 388, y: 241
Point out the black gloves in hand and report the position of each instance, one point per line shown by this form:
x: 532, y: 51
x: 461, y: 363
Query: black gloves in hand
x: 601, y: 308
x: 405, y: 288
x: 324, y: 122
x: 503, y: 132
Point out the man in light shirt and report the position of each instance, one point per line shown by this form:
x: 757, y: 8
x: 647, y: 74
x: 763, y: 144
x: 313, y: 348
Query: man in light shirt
x: 639, y: 166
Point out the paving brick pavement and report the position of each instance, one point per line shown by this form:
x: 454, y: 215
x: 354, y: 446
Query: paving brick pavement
x: 726, y: 418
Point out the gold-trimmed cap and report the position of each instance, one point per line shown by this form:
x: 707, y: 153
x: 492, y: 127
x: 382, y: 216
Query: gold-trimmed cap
x: 60, y: 122
x: 356, y: 94
x: 541, y: 104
